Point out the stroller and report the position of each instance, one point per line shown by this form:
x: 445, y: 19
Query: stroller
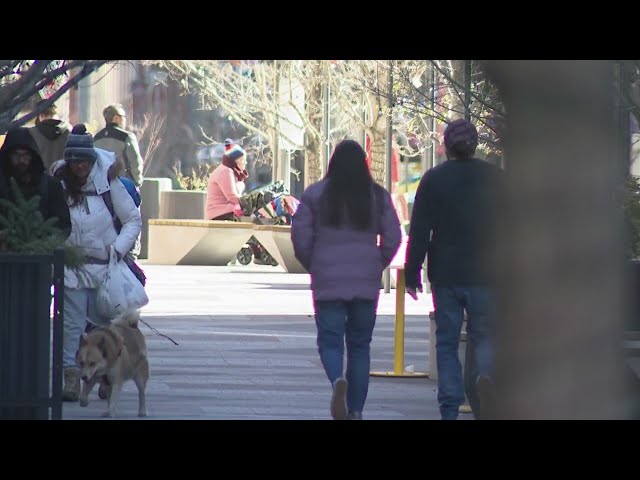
x: 253, y: 250
x: 270, y: 204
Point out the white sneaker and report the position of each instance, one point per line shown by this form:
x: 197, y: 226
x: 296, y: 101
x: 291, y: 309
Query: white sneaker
x: 354, y: 416
x: 339, y: 400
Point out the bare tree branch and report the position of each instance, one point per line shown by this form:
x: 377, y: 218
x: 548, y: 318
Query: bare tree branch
x: 18, y: 88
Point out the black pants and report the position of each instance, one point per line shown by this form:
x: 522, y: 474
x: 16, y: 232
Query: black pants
x: 226, y: 216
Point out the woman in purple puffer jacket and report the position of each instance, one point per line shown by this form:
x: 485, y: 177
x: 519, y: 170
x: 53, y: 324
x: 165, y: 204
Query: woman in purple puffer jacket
x: 335, y: 237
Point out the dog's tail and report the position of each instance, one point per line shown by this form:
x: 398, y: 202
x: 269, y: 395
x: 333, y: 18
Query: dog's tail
x: 129, y: 318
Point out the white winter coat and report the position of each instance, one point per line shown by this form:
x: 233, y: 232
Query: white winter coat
x: 92, y: 227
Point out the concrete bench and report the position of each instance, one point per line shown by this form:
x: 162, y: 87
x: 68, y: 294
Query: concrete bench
x: 196, y: 242
x: 277, y: 240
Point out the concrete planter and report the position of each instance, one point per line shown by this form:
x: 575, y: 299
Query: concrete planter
x: 183, y: 204
x: 151, y: 193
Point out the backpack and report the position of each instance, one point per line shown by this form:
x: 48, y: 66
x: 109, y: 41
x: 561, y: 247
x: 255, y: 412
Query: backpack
x: 132, y: 189
x: 135, y: 194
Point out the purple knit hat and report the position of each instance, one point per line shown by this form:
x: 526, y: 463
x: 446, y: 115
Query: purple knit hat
x: 460, y: 131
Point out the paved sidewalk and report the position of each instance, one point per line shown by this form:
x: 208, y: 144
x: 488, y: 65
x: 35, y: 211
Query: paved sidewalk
x: 247, y: 350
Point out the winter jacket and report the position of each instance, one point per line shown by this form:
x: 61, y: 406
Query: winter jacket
x: 52, y: 198
x: 453, y: 219
x: 125, y: 145
x: 344, y: 263
x: 223, y: 192
x: 92, y: 225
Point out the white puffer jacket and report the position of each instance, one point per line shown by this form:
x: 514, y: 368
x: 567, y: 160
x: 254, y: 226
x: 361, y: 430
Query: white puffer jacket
x: 92, y: 227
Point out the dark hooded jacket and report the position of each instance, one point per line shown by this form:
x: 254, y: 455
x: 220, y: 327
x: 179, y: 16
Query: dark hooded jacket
x: 52, y: 199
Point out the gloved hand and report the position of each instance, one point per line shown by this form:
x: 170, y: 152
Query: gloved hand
x: 237, y: 211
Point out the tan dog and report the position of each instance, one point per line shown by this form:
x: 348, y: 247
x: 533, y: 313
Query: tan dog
x: 114, y: 354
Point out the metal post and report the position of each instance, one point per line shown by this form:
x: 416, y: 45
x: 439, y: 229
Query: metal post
x: 433, y: 118
x: 398, y: 348
x: 398, y: 359
x: 326, y: 123
x: 425, y: 164
x: 387, y: 272
x: 286, y: 169
x: 433, y: 159
x: 275, y: 147
x: 467, y: 90
x: 276, y: 157
x: 58, y: 321
x: 84, y: 98
x: 364, y: 120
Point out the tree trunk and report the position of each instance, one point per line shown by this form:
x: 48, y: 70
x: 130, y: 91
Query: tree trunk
x: 560, y: 261
x: 313, y: 159
x: 313, y: 145
x: 378, y: 155
x: 379, y: 105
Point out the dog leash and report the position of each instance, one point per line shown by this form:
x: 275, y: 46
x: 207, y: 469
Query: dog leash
x: 158, y: 333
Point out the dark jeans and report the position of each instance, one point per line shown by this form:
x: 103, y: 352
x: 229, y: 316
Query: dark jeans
x: 450, y: 304
x: 353, y: 321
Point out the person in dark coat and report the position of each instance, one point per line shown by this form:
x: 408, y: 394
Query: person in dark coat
x: 20, y: 159
x: 452, y: 221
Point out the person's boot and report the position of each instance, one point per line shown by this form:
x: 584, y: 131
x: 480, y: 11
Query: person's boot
x: 71, y: 390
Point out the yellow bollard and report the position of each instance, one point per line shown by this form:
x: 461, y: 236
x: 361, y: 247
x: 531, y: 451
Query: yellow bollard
x: 398, y: 357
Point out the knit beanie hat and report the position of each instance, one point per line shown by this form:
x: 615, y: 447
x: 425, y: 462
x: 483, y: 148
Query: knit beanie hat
x: 233, y: 151
x: 79, y: 145
x: 460, y: 131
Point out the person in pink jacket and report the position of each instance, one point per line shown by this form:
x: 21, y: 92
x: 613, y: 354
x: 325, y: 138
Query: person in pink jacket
x: 226, y: 184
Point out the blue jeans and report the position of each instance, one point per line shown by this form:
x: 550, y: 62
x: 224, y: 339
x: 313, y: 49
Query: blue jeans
x: 353, y: 321
x: 79, y: 306
x: 450, y: 304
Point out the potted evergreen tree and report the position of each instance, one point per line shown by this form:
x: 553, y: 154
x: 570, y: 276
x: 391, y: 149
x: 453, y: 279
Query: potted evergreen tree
x: 32, y: 257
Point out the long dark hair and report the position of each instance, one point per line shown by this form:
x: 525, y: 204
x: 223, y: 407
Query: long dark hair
x: 72, y: 184
x: 348, y: 196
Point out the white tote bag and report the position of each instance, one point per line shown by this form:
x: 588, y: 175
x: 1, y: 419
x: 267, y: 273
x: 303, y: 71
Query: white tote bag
x: 121, y: 290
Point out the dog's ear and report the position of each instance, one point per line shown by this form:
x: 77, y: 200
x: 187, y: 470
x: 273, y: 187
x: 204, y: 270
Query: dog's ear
x: 83, y: 339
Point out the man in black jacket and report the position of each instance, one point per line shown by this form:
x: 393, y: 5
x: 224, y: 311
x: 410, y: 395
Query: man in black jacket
x: 20, y: 159
x: 452, y: 220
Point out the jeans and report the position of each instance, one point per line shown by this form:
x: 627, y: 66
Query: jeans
x: 354, y: 321
x: 450, y: 304
x: 79, y: 306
